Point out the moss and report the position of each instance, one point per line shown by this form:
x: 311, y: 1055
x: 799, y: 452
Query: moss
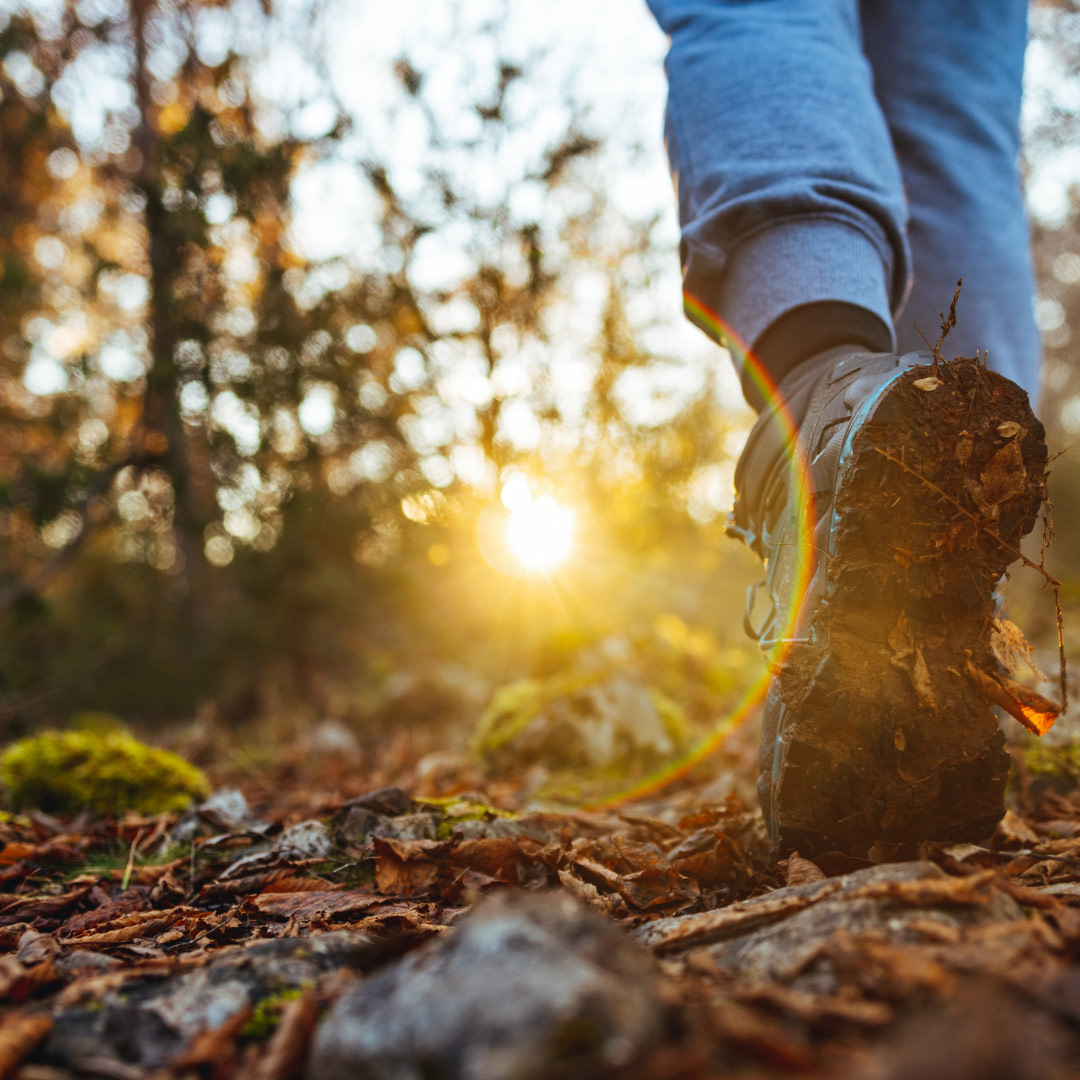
x: 673, y: 717
x: 266, y: 1015
x: 456, y: 809
x: 1062, y: 760
x: 516, y: 704
x: 105, y: 770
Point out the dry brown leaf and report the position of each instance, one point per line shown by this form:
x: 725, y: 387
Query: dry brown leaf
x: 34, y: 948
x: 653, y: 888
x: 932, y: 892
x: 1011, y: 648
x: 139, y: 924
x: 29, y: 908
x: 596, y: 870
x: 708, y: 867
x: 586, y: 892
x: 908, y: 657
x: 18, y: 982
x: 667, y: 935
x: 497, y: 857
x: 762, y: 1036
x: 1012, y: 829
x: 1034, y: 711
x: 96, y: 987
x: 301, y: 884
x: 340, y: 904
x: 406, y: 869
x: 885, y: 969
x: 19, y: 1034
x: 1003, y: 478
x: 13, y: 851
x: 802, y: 871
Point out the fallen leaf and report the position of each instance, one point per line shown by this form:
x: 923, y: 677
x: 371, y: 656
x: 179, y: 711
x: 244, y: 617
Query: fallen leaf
x: 586, y: 892
x: 13, y: 851
x: 1034, y: 711
x: 657, y: 888
x: 406, y: 869
x: 496, y: 856
x: 1011, y: 648
x: 976, y: 888
x: 139, y: 924
x: 1003, y: 478
x: 19, y: 1034
x: 802, y: 871
x: 676, y: 934
x: 35, y: 948
x: 1013, y: 829
x: 340, y: 904
x: 18, y: 981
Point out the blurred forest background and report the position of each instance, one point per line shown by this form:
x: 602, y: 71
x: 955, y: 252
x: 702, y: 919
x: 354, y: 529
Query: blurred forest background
x: 305, y: 303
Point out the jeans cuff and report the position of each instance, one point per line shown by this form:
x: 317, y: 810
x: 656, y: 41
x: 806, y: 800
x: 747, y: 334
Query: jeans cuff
x: 783, y: 266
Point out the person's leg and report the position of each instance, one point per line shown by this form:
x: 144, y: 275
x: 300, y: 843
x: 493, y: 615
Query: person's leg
x: 794, y: 239
x: 948, y: 77
x: 790, y: 198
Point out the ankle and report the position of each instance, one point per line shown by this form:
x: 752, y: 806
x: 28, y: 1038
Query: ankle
x: 804, y: 333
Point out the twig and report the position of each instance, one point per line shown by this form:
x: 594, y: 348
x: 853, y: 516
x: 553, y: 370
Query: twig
x: 1040, y: 855
x: 992, y: 533
x: 947, y: 323
x: 995, y: 535
x: 126, y: 880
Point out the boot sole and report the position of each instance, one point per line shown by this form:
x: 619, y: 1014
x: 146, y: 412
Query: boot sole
x: 877, y: 733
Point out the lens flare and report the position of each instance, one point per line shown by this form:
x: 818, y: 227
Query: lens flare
x: 540, y: 533
x: 785, y: 636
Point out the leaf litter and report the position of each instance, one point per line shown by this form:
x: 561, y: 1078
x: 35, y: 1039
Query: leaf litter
x: 654, y: 940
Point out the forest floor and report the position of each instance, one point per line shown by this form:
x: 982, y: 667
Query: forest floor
x: 325, y: 922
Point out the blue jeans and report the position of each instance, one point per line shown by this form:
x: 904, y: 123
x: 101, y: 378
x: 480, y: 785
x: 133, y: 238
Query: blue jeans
x: 861, y: 151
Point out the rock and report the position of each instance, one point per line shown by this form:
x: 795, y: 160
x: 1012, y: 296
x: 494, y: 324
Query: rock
x: 544, y: 830
x: 149, y: 1022
x: 528, y: 986
x: 358, y: 825
x: 306, y: 840
x: 226, y: 810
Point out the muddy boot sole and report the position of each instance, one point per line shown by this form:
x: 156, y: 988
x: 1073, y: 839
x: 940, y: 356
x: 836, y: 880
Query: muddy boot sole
x: 877, y: 731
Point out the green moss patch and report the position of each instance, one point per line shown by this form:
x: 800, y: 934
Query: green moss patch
x: 105, y: 770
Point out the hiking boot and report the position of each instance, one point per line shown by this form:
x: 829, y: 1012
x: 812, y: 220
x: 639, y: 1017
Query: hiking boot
x: 916, y: 480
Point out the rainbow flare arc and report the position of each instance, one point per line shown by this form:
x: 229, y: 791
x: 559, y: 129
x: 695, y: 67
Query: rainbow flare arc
x: 806, y: 550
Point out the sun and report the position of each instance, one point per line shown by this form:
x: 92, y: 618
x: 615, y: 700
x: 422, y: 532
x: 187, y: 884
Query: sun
x: 540, y: 533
